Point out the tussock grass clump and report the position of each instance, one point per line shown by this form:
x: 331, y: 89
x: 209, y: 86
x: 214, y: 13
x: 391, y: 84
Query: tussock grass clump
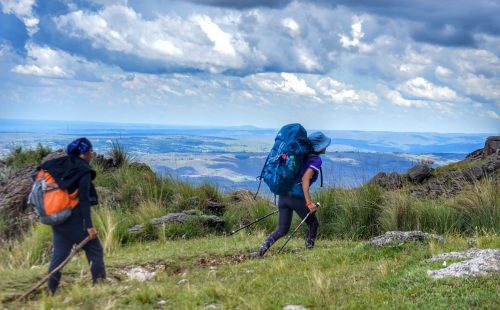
x: 479, y: 205
x: 32, y: 248
x: 401, y: 211
x: 350, y: 213
x: 248, y: 211
x: 112, y: 225
x: 19, y: 157
x: 119, y: 155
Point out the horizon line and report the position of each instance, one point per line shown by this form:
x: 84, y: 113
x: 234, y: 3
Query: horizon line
x: 179, y: 126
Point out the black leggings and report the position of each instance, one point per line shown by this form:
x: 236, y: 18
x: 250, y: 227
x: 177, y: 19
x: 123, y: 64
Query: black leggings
x: 65, y: 236
x: 286, y: 205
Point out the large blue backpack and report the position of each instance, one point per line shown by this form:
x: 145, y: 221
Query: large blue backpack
x: 284, y: 163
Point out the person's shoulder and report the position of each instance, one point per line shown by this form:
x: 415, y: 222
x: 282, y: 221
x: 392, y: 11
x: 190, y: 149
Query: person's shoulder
x: 317, y: 160
x: 314, y: 162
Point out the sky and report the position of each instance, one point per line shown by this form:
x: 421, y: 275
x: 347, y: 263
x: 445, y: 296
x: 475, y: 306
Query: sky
x: 374, y: 65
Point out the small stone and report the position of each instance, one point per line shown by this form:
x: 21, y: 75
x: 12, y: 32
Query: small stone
x: 162, y: 302
x: 140, y: 274
x: 294, y: 307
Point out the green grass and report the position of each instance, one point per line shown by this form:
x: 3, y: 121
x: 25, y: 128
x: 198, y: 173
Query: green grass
x: 341, y: 273
x: 337, y: 274
x: 19, y: 157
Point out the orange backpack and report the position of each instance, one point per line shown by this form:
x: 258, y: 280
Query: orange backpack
x: 53, y: 204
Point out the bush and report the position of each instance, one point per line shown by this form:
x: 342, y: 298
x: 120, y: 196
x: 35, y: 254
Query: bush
x: 33, y: 248
x: 350, y: 213
x: 248, y: 211
x: 401, y: 211
x: 19, y: 157
x: 119, y: 155
x: 479, y: 205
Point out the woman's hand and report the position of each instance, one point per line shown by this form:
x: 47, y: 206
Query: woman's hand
x: 92, y: 232
x: 311, y: 206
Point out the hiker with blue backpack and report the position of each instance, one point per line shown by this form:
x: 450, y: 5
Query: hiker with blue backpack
x: 62, y: 195
x: 292, y: 166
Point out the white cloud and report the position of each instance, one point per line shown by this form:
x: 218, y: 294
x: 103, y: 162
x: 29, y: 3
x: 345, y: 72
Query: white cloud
x: 356, y: 34
x: 47, y: 62
x: 493, y: 115
x: 195, y: 41
x: 420, y: 88
x: 488, y: 88
x: 220, y: 39
x: 396, y: 98
x: 47, y: 71
x: 341, y: 93
x: 443, y: 72
x: 283, y: 83
x: 23, y: 9
x: 166, y: 47
x: 291, y: 26
x: 308, y: 60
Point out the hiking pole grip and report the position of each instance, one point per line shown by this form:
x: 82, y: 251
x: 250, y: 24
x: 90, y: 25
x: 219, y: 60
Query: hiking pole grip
x: 73, y: 252
x: 256, y: 221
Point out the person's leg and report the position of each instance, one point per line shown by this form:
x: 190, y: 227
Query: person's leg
x: 284, y: 222
x: 95, y: 257
x: 312, y: 222
x: 62, y: 248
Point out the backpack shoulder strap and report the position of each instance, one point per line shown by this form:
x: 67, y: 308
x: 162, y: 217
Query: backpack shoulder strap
x: 321, y: 175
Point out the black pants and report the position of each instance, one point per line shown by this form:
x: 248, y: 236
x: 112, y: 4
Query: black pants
x: 65, y: 236
x: 286, y: 205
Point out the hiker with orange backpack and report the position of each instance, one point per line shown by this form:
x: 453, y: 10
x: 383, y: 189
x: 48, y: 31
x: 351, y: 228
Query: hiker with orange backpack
x: 293, y: 139
x: 63, y: 194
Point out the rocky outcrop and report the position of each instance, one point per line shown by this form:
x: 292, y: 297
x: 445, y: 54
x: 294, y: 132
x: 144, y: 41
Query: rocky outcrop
x: 215, y: 206
x: 392, y: 237
x: 181, y: 218
x: 241, y: 195
x: 419, y: 173
x: 425, y: 182
x: 391, y: 180
x: 13, y: 200
x: 491, y: 148
x: 109, y: 197
x: 477, y: 262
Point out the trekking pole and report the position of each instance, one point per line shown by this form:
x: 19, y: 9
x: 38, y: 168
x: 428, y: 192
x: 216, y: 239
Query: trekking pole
x: 297, y: 228
x: 257, y: 220
x: 73, y: 252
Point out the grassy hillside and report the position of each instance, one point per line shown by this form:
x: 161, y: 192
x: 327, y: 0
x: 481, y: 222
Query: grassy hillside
x: 208, y: 271
x: 341, y: 272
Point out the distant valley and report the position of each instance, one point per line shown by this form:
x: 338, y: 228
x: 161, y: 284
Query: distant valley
x: 233, y: 157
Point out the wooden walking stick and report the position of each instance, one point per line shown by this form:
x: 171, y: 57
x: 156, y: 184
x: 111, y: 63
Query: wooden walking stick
x: 73, y: 252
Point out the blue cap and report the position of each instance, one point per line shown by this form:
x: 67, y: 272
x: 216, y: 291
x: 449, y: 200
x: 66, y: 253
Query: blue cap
x: 319, y: 141
x: 79, y: 146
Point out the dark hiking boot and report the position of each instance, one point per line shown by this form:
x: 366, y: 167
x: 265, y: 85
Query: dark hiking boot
x: 254, y: 255
x: 309, y: 244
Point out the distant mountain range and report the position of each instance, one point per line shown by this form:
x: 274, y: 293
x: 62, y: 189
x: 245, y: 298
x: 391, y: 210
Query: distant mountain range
x: 233, y: 156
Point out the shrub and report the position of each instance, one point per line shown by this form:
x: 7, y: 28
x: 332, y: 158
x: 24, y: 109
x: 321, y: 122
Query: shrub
x: 33, y: 248
x: 479, y: 205
x: 350, y: 213
x: 19, y: 157
x: 119, y: 155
